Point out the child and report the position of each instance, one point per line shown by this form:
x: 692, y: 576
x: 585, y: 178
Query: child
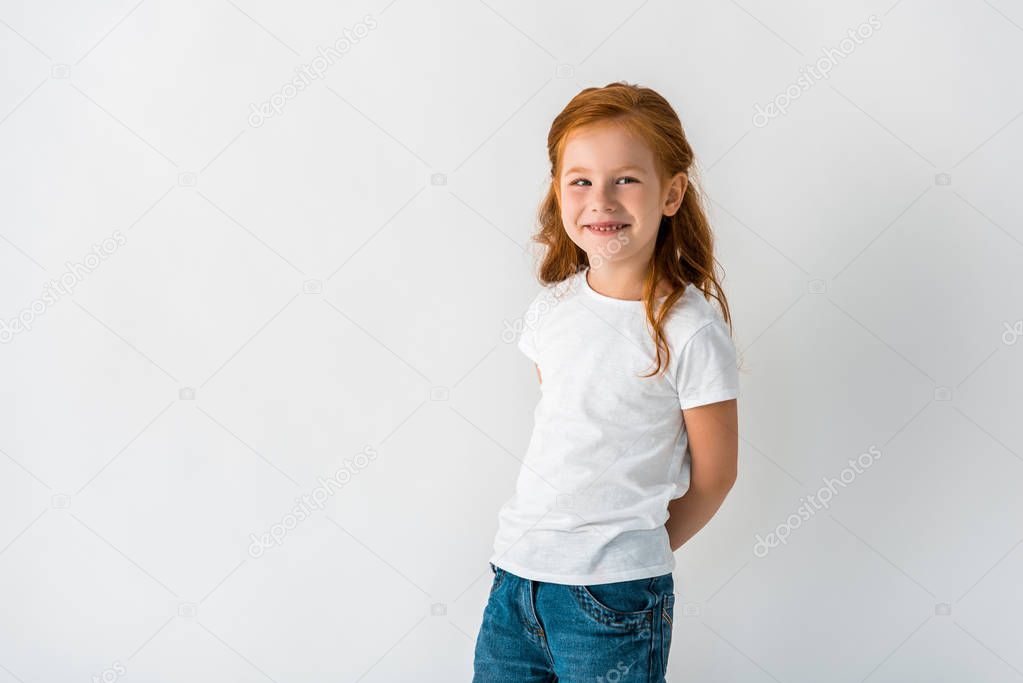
x: 583, y: 558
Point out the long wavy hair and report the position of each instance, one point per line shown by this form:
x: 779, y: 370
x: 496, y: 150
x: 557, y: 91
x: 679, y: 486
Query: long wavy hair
x: 684, y: 247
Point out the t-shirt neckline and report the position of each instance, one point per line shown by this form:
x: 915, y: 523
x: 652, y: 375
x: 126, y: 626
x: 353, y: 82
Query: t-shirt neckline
x: 592, y: 293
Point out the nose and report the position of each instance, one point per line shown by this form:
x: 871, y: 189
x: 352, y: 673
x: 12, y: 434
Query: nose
x: 602, y: 201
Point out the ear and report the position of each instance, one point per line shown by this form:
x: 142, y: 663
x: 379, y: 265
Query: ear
x: 676, y: 190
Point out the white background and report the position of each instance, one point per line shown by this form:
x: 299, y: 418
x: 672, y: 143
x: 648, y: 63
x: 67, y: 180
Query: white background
x: 871, y: 240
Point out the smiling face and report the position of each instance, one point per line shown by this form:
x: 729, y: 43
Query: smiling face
x: 612, y: 197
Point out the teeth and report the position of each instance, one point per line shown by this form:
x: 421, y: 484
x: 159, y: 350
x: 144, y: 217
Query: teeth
x: 611, y: 228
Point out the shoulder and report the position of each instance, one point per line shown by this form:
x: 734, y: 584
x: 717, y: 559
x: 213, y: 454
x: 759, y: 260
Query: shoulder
x: 554, y: 293
x: 692, y: 313
x: 548, y: 299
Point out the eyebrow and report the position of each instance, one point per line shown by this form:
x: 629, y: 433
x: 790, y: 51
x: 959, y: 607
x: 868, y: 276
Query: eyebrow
x: 617, y: 170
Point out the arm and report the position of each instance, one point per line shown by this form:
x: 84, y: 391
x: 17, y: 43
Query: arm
x: 714, y: 449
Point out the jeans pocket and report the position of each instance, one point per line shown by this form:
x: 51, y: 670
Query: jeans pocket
x: 622, y: 604
x: 498, y: 576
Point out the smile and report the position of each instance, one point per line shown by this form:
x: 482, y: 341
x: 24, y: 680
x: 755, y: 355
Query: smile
x: 606, y: 228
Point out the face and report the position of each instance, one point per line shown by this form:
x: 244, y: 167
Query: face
x: 612, y: 198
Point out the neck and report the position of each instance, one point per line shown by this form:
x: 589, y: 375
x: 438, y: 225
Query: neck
x: 618, y: 280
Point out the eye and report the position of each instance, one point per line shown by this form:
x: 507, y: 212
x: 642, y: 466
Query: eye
x: 584, y: 180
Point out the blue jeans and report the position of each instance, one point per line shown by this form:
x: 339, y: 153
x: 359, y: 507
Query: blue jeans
x: 535, y: 631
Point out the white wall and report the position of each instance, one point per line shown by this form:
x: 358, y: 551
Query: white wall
x: 281, y: 294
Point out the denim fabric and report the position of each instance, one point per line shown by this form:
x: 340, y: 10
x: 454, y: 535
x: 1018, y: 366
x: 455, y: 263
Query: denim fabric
x: 535, y: 631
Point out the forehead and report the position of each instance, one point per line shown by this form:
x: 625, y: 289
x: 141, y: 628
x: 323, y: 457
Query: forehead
x: 605, y: 147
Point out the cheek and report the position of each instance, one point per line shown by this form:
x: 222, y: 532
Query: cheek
x: 570, y: 206
x: 647, y: 205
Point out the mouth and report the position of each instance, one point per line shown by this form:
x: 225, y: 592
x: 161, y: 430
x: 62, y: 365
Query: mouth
x: 606, y: 228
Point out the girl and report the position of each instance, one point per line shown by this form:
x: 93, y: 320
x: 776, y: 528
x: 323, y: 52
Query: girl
x: 582, y: 587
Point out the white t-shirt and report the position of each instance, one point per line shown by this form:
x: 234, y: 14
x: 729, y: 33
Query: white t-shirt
x: 609, y: 449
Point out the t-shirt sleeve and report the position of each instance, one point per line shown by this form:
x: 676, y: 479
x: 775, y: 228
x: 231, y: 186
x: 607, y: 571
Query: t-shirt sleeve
x: 527, y: 343
x: 708, y: 370
x: 530, y: 326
